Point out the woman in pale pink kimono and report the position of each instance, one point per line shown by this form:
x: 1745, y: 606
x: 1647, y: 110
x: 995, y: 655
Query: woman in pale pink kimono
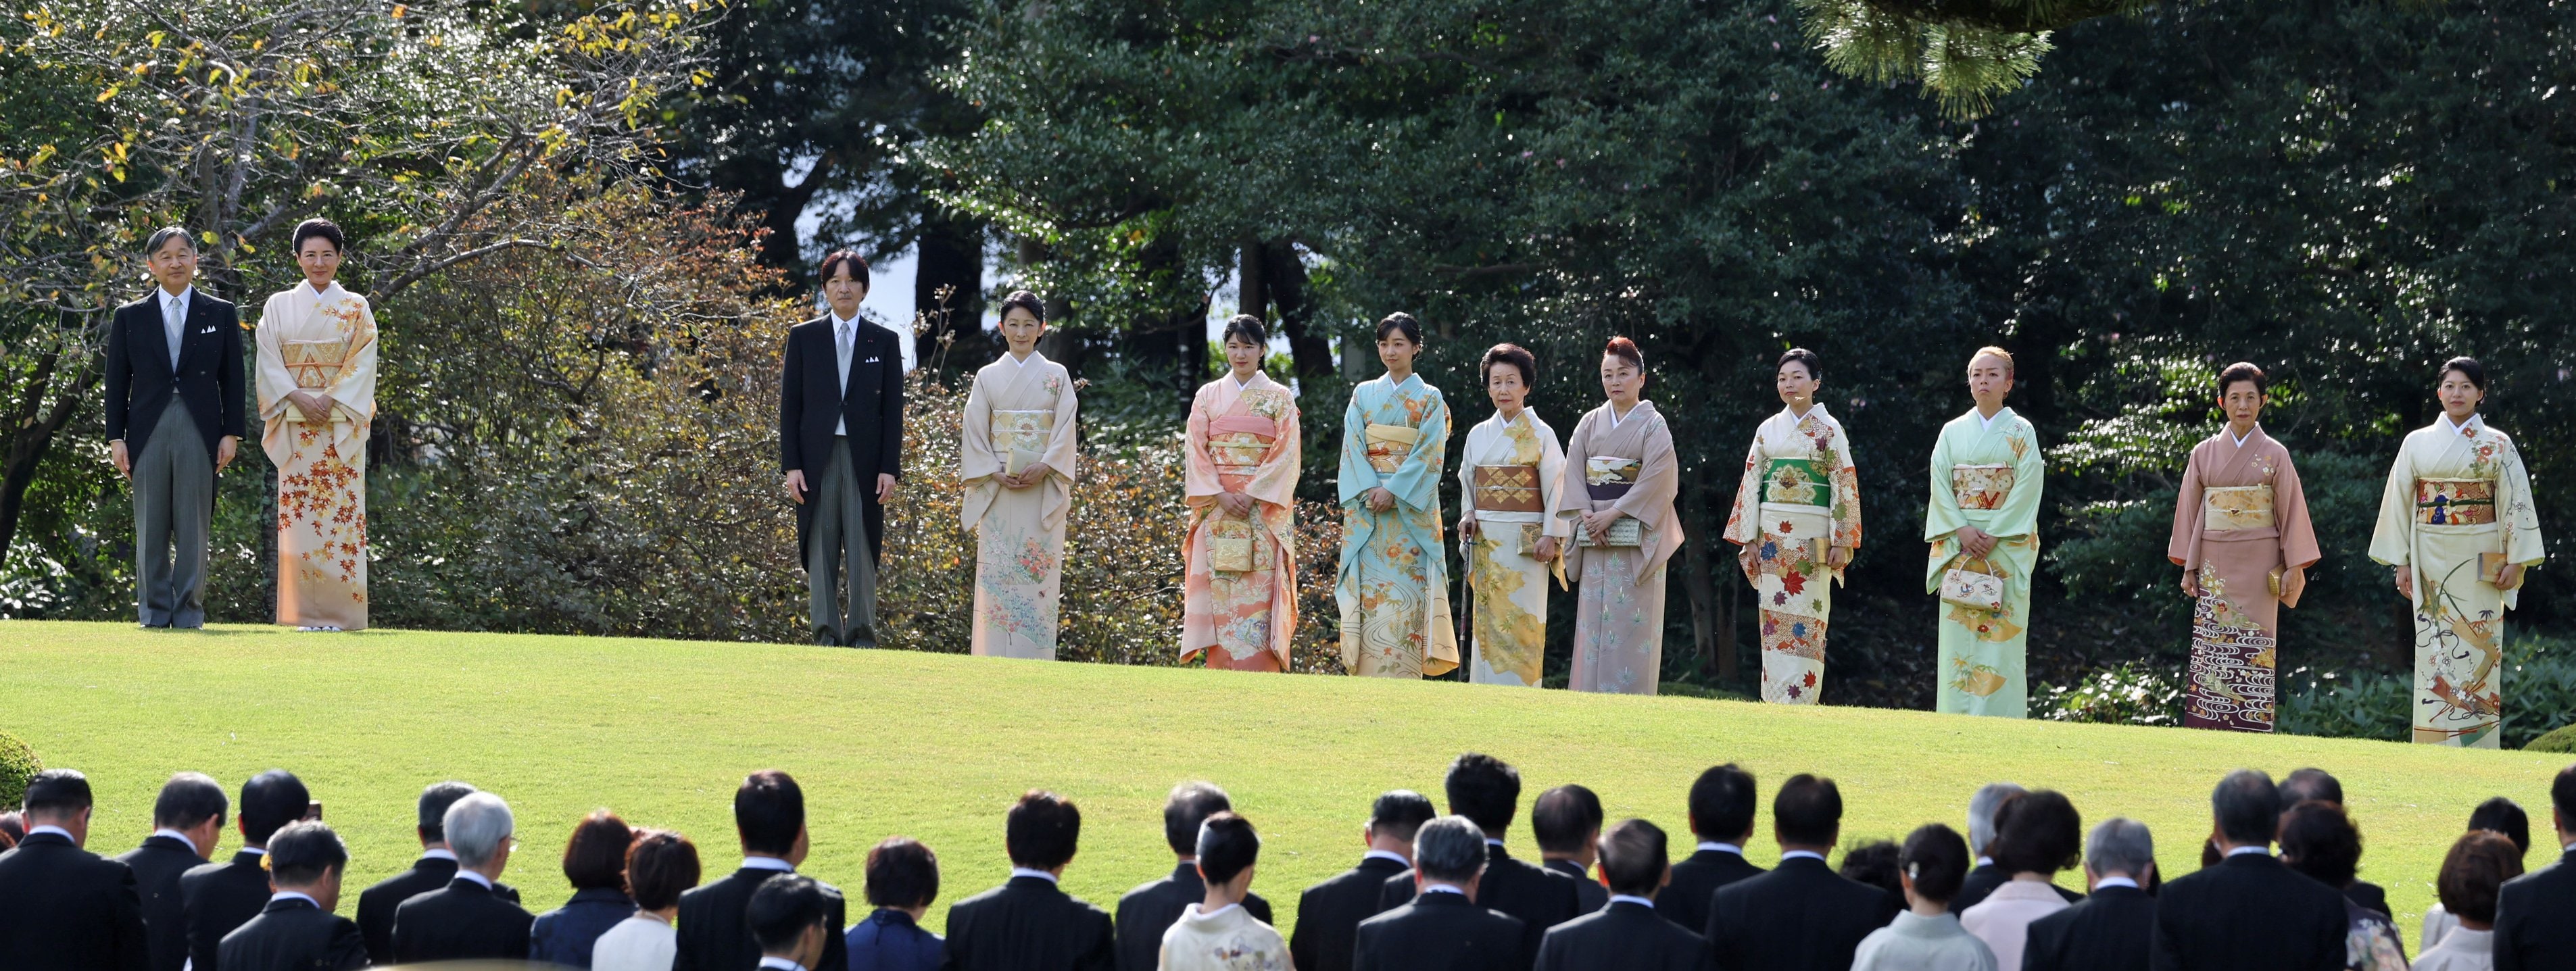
x: 317, y: 394
x: 1015, y: 458
x: 1620, y: 480
x: 2242, y: 537
x: 1239, y: 594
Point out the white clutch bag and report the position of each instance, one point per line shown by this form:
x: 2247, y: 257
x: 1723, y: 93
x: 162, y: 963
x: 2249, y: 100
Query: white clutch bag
x: 1627, y: 531
x: 1973, y: 589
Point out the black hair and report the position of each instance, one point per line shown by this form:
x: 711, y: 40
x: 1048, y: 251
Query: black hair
x: 2038, y: 832
x: 56, y: 791
x: 2248, y: 807
x: 660, y: 864
x: 1248, y: 327
x: 2319, y: 840
x: 1398, y: 813
x: 1042, y: 830
x: 317, y: 226
x: 161, y: 237
x: 2306, y: 784
x: 858, y: 267
x: 1563, y: 817
x: 1808, y: 810
x: 434, y: 801
x: 1400, y: 321
x: 1721, y: 803
x: 1799, y: 355
x: 1190, y: 804
x: 781, y: 910
x: 2469, y: 368
x: 1227, y: 846
x: 1485, y: 790
x: 304, y: 851
x: 2243, y: 371
x: 1514, y: 355
x: 1633, y: 857
x: 1936, y: 856
x: 2504, y: 816
x: 902, y: 872
x: 1876, y: 863
x: 2562, y: 793
x: 595, y: 857
x: 769, y: 809
x: 1024, y: 300
x: 190, y: 798
x: 271, y: 800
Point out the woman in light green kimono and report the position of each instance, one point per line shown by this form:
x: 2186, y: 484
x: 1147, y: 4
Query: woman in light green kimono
x: 1983, y: 518
x: 1393, y: 588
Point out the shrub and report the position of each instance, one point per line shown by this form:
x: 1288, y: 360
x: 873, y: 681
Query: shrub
x: 2561, y: 739
x: 2539, y: 694
x: 2130, y: 694
x: 18, y: 766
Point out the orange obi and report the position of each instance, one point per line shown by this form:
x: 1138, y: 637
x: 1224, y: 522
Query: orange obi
x: 2454, y: 502
x: 1507, y: 488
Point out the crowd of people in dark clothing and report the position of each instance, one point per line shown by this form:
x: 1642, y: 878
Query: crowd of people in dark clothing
x: 1432, y: 892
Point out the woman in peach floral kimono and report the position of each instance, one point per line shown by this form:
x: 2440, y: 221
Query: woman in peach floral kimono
x: 317, y: 394
x: 1796, y: 523
x: 1015, y: 458
x: 1239, y: 593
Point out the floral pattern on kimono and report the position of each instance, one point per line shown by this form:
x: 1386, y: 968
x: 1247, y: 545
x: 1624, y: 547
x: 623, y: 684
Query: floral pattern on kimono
x: 319, y: 343
x: 1988, y: 475
x: 1619, y: 607
x: 2241, y: 525
x: 2456, y: 497
x: 1508, y: 587
x: 1799, y: 496
x: 1017, y: 412
x: 1393, y: 587
x: 1241, y: 438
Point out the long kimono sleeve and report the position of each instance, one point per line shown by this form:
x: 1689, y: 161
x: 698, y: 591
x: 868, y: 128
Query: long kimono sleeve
x: 274, y: 381
x: 976, y: 460
x: 2298, y: 535
x: 1659, y: 479
x: 1199, y: 486
x: 2183, y: 547
x: 2392, y: 542
x: 1573, y: 496
x: 1416, y: 483
x: 2521, y: 520
x: 1846, y: 492
x: 1742, y: 522
x: 2019, y: 515
x: 1941, y: 516
x: 1276, y: 483
x: 1466, y: 482
x: 1357, y: 477
x: 1551, y: 473
x: 353, y: 391
x: 1062, y: 451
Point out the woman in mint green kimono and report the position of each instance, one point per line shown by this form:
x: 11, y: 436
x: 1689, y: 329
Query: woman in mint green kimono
x: 1393, y: 588
x: 1983, y: 517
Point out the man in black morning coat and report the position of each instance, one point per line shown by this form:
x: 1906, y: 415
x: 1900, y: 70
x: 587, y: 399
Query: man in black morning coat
x: 187, y: 820
x: 840, y: 443
x: 1030, y: 923
x: 1329, y: 913
x: 1628, y: 934
x: 1484, y: 789
x: 2249, y: 912
x: 2115, y: 924
x: 715, y: 934
x: 2535, y: 924
x: 1721, y: 815
x: 176, y: 401
x: 219, y: 897
x: 435, y: 868
x: 1444, y: 927
x: 1149, y: 910
x: 1801, y: 916
x: 63, y: 908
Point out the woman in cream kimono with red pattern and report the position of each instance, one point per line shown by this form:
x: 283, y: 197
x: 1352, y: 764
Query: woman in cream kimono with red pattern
x: 2242, y: 537
x: 1509, y: 474
x: 1239, y: 583
x: 1796, y: 523
x: 1620, y: 480
x: 317, y: 394
x: 1982, y: 518
x: 2456, y: 521
x: 1016, y: 458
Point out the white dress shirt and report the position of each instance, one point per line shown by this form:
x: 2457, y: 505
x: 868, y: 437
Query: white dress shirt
x: 174, y: 320
x: 767, y: 863
x: 1021, y: 871
x: 781, y: 964
x: 181, y: 837
x: 845, y: 339
x: 465, y: 874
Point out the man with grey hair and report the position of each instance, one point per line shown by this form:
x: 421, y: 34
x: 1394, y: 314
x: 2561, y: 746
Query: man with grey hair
x: 1442, y: 926
x: 467, y: 921
x: 1986, y: 876
x: 433, y: 871
x: 2248, y: 911
x: 2113, y: 927
x: 175, y: 407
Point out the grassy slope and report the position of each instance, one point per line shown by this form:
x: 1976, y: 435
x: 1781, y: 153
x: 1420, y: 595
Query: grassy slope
x: 937, y: 746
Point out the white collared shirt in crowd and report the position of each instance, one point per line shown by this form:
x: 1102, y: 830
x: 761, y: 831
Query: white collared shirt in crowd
x: 465, y: 874
x: 438, y: 853
x: 767, y: 863
x: 1021, y: 871
x: 1721, y: 847
x: 1645, y: 902
x: 2114, y: 882
x: 181, y: 837
x: 1386, y: 855
x: 1805, y: 854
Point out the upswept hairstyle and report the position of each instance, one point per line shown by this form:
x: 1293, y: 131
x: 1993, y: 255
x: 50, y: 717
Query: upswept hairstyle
x: 1513, y: 355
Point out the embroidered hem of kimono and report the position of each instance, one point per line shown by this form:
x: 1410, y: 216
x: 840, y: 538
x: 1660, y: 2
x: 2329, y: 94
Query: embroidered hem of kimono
x: 1017, y: 413
x: 1393, y: 586
x: 1507, y: 603
x: 319, y: 343
x: 2240, y: 517
x: 1799, y: 496
x: 1984, y: 654
x: 2459, y: 612
x: 1619, y: 609
x: 1241, y: 438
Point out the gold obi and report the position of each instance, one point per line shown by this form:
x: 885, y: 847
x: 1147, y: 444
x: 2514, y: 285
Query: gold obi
x: 1020, y: 438
x: 2230, y: 508
x: 1507, y: 488
x: 1238, y: 443
x: 2454, y: 502
x: 315, y: 364
x: 1796, y: 482
x: 1609, y: 477
x: 1981, y: 486
x: 1388, y: 445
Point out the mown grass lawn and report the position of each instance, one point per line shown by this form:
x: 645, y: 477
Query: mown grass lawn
x: 937, y: 746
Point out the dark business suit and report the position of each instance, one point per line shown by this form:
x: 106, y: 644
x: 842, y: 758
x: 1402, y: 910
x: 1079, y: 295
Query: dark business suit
x: 174, y: 495
x: 1623, y: 936
x: 2535, y: 924
x: 566, y: 934
x: 2369, y: 895
x: 2111, y: 930
x: 716, y: 936
x: 1983, y: 880
x: 292, y: 934
x: 1028, y: 924
x: 1329, y: 914
x: 1801, y: 916
x: 1695, y: 880
x: 62, y: 908
x: 2249, y: 913
x: 1536, y: 896
x: 841, y: 470
x: 464, y: 922
x: 219, y: 897
x: 1149, y: 910
x: 1440, y: 931
x: 1589, y: 894
x: 158, y: 864
x: 376, y: 906
x: 889, y: 940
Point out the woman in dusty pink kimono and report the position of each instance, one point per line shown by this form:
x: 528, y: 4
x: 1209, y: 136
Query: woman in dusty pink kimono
x: 317, y: 394
x: 2242, y: 537
x: 1239, y: 600
x: 1015, y: 458
x: 1620, y: 480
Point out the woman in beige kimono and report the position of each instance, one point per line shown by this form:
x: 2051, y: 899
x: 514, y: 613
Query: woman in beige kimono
x: 317, y: 394
x: 1617, y: 493
x: 1510, y: 473
x: 2457, y: 522
x: 1239, y: 581
x: 1795, y: 524
x: 2242, y: 537
x: 1016, y: 458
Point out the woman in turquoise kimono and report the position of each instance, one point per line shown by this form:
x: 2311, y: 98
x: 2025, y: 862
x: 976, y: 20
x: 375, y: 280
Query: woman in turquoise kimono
x: 1393, y: 588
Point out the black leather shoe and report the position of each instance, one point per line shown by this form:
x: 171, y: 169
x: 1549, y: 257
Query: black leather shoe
x: 824, y: 638
x: 864, y: 635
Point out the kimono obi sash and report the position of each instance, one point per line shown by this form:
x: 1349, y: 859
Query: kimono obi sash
x: 1609, y: 477
x: 2454, y: 502
x: 1981, y: 486
x: 1238, y: 443
x: 1021, y: 437
x: 1388, y: 445
x: 2228, y: 509
x: 315, y: 364
x: 1507, y: 488
x: 1796, y: 482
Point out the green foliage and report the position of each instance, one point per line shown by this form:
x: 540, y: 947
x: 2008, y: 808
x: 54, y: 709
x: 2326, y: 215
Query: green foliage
x: 2539, y: 686
x: 18, y: 766
x: 1964, y: 52
x: 2561, y: 739
x: 2129, y: 694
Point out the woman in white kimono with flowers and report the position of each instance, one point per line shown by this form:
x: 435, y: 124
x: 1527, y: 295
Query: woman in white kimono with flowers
x: 1796, y: 523
x: 317, y: 396
x: 1015, y: 458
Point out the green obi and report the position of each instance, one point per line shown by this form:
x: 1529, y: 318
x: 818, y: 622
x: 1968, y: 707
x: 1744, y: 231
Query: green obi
x: 1796, y: 482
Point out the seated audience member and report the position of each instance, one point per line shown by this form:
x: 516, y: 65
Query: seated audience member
x: 2037, y: 833
x: 298, y: 929
x: 1218, y: 933
x: 660, y: 865
x: 1329, y: 913
x: 2115, y: 924
x: 1566, y: 821
x: 1443, y: 928
x: 902, y: 881
x: 219, y: 897
x: 1145, y: 912
x: 769, y: 816
x: 1627, y: 934
x: 2498, y: 815
x: 2248, y: 912
x: 187, y: 821
x: 63, y: 907
x: 2307, y: 784
x: 2478, y: 865
x: 1878, y: 863
x: 595, y: 863
x: 2319, y: 840
x: 1485, y: 789
x: 1030, y: 922
x: 1721, y: 817
x: 1926, y: 936
x: 466, y: 920
x: 434, y: 870
x: 1800, y: 915
x: 790, y: 921
x: 2535, y: 924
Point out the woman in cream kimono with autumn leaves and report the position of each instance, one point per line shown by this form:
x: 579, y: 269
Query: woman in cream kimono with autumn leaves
x: 1797, y: 523
x: 317, y: 394
x: 1510, y: 474
x: 1016, y: 459
x: 1983, y: 518
x: 1239, y: 580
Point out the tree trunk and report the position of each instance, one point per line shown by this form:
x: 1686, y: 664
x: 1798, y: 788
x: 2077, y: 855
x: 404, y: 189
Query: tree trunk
x: 34, y: 425
x: 1285, y: 276
x: 1699, y: 583
x: 948, y: 295
x: 781, y: 246
x: 1252, y: 280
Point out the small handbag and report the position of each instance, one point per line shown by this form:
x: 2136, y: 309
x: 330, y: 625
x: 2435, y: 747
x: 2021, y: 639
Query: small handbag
x: 2491, y: 567
x: 1624, y: 531
x: 1529, y: 535
x: 1973, y: 589
x: 1230, y: 551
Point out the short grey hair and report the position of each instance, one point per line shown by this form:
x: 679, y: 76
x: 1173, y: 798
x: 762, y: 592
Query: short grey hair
x: 1450, y: 849
x: 162, y: 237
x: 476, y: 825
x: 1981, y: 813
x: 2121, y: 847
